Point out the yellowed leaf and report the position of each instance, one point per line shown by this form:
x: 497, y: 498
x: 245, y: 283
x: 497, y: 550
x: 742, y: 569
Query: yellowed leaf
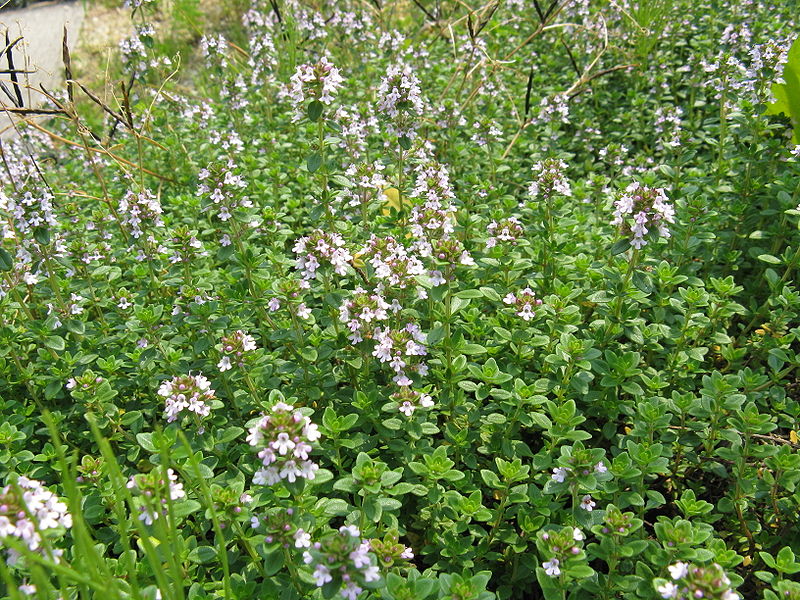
x: 391, y: 200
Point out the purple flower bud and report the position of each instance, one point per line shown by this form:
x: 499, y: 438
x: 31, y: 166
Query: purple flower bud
x: 575, y: 550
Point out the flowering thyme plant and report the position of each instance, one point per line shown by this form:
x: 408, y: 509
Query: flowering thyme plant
x: 405, y: 301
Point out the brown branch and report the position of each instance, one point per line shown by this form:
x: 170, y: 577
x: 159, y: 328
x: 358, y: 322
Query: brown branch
x: 55, y: 136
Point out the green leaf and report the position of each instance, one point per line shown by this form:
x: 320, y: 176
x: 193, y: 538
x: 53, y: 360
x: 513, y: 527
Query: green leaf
x: 620, y: 246
x: 768, y: 258
x: 42, y: 235
x: 202, y: 554
x: 404, y: 142
x: 314, y: 162
x: 146, y: 441
x: 6, y: 261
x: 55, y: 342
x: 185, y: 508
x: 315, y: 111
x: 787, y: 95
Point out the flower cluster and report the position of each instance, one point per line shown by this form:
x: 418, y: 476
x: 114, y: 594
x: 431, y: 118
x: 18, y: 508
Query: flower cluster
x: 433, y: 220
x: 229, y: 503
x: 690, y: 582
x: 285, y: 437
x: 234, y: 346
x: 505, y: 230
x: 561, y: 546
x: 392, y: 261
x: 390, y: 550
x: 432, y: 184
x: 361, y: 310
x: 222, y: 186
x: 449, y: 251
x: 190, y: 393
x: 28, y: 511
x: 523, y: 302
x: 319, y: 81
x: 318, y: 246
x: 281, y: 529
x: 640, y: 206
x: 185, y: 245
x: 549, y: 180
x: 32, y: 211
x: 402, y: 349
x: 560, y: 474
x: 153, y: 492
x: 369, y: 182
x: 140, y: 209
x: 408, y: 400
x: 400, y: 99
x: 213, y: 48
x: 289, y: 290
x: 343, y: 558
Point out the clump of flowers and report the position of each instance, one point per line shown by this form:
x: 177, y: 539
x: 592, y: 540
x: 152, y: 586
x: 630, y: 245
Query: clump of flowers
x: 220, y: 185
x: 138, y: 209
x: 280, y: 528
x: 29, y: 513
x: 185, y: 245
x: 343, y: 559
x: 617, y: 523
x: 361, y: 310
x: 284, y: 437
x: 523, y: 302
x: 392, y: 261
x: 402, y: 349
x: 450, y: 252
x: 400, y: 99
x: 505, y: 231
x: 689, y: 582
x: 369, y: 181
x: 319, y: 81
x: 390, y: 550
x: 289, y: 291
x: 153, y: 491
x: 561, y: 547
x: 190, y: 393
x: 639, y: 207
x: 229, y: 503
x: 319, y: 246
x: 408, y: 400
x: 549, y: 180
x: 234, y: 347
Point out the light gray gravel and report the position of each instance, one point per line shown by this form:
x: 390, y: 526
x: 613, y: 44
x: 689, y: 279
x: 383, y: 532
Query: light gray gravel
x: 42, y: 26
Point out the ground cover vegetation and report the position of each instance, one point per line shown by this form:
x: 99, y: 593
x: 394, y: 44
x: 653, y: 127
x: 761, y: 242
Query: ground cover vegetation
x: 398, y: 300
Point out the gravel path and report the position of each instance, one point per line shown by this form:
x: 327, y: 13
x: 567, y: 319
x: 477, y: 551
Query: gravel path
x: 42, y: 27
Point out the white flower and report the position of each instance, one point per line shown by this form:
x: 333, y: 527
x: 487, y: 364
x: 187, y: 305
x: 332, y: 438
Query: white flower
x: 283, y: 444
x: 351, y: 529
x: 302, y: 539
x: 668, y: 590
x: 322, y: 575
x: 437, y: 279
x: 678, y: 570
x: 600, y: 468
x: 551, y: 567
x: 559, y: 474
x: 224, y: 364
x: 577, y: 535
x: 371, y: 574
x: 303, y: 311
x: 587, y: 503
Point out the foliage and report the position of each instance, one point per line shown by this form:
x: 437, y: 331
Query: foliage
x: 431, y: 300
